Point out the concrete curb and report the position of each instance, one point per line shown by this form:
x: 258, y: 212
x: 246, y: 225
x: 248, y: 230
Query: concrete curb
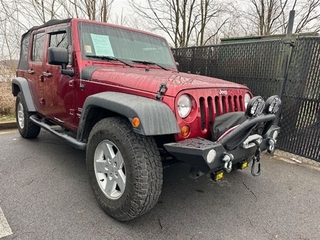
x: 296, y: 158
x: 8, y: 125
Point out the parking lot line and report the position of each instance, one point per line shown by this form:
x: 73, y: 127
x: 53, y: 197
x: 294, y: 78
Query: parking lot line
x: 5, y: 229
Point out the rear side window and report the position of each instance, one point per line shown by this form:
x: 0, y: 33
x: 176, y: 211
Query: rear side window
x: 23, y: 61
x: 38, y: 47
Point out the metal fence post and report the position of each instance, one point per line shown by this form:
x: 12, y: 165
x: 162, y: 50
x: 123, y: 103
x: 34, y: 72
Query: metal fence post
x: 286, y: 58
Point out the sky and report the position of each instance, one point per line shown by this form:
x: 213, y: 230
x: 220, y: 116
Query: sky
x: 121, y: 8
x: 117, y: 7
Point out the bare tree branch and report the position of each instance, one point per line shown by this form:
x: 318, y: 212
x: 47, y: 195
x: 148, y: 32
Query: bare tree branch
x: 184, y: 21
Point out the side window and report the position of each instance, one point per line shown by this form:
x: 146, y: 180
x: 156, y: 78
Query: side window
x: 37, y: 47
x: 23, y: 61
x: 60, y: 39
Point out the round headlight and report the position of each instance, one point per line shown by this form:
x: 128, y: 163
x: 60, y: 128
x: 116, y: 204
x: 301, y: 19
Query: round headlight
x: 273, y: 104
x: 246, y: 100
x: 184, y: 105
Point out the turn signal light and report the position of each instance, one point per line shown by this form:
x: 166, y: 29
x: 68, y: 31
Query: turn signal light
x: 185, y: 130
x: 135, y: 122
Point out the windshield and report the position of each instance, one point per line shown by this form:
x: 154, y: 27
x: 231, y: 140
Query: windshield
x: 100, y: 40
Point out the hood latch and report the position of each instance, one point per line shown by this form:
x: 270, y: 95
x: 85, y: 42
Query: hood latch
x: 162, y: 90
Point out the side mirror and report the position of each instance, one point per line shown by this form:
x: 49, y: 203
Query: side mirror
x: 60, y: 56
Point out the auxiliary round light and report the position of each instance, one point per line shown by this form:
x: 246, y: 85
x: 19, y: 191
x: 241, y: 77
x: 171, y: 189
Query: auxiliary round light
x: 184, y: 105
x: 273, y: 104
x: 255, y: 106
x: 211, y: 156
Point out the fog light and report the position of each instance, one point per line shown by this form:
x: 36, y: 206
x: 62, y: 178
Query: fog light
x: 211, y: 156
x: 185, y: 130
x: 219, y: 176
x: 244, y: 165
x: 135, y: 122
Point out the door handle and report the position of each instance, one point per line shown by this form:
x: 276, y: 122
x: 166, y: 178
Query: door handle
x: 30, y: 71
x: 46, y: 74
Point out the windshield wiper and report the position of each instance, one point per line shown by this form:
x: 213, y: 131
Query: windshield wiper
x: 151, y: 63
x: 110, y: 58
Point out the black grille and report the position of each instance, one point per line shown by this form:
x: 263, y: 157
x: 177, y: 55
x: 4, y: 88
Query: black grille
x: 211, y: 107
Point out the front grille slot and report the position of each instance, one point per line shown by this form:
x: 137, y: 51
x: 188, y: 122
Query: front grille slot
x: 211, y: 107
x: 211, y: 111
x: 218, y: 106
x: 236, y: 103
x: 231, y: 106
x: 203, y: 113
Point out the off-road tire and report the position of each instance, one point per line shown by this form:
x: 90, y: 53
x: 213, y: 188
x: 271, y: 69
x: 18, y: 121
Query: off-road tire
x: 26, y: 127
x: 142, y: 168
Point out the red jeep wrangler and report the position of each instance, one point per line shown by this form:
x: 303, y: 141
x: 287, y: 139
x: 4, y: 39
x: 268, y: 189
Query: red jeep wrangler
x: 116, y: 93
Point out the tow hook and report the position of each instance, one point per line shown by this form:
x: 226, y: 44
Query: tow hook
x: 256, y: 168
x: 271, y: 147
x: 227, y: 159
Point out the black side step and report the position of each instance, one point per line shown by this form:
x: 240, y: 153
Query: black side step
x: 69, y: 139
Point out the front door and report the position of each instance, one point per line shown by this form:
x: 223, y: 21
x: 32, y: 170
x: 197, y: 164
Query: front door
x: 59, y: 88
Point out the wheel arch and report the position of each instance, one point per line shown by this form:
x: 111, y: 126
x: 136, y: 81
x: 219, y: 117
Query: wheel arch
x: 20, y: 84
x: 156, y: 117
x: 93, y: 115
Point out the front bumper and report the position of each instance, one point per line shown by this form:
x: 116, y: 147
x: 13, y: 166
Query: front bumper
x: 211, y: 156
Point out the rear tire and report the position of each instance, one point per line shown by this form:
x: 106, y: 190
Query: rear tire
x: 125, y: 169
x: 26, y: 127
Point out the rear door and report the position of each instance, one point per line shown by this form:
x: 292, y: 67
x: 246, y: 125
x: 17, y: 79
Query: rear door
x: 34, y: 71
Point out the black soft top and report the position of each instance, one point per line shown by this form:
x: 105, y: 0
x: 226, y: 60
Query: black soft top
x: 49, y: 23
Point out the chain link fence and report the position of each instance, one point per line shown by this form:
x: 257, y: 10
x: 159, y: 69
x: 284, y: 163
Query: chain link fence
x: 259, y: 65
x: 301, y: 101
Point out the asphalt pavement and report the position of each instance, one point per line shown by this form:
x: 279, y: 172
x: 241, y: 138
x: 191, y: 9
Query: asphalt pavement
x: 45, y: 194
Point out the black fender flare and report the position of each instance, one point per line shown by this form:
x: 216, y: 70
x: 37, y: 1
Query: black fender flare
x: 20, y: 84
x: 156, y: 118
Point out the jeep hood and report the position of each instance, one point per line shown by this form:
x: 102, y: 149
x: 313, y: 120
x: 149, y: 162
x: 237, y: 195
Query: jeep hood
x: 149, y: 80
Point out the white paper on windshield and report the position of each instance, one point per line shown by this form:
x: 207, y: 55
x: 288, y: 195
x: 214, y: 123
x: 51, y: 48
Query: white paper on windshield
x: 102, y: 45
